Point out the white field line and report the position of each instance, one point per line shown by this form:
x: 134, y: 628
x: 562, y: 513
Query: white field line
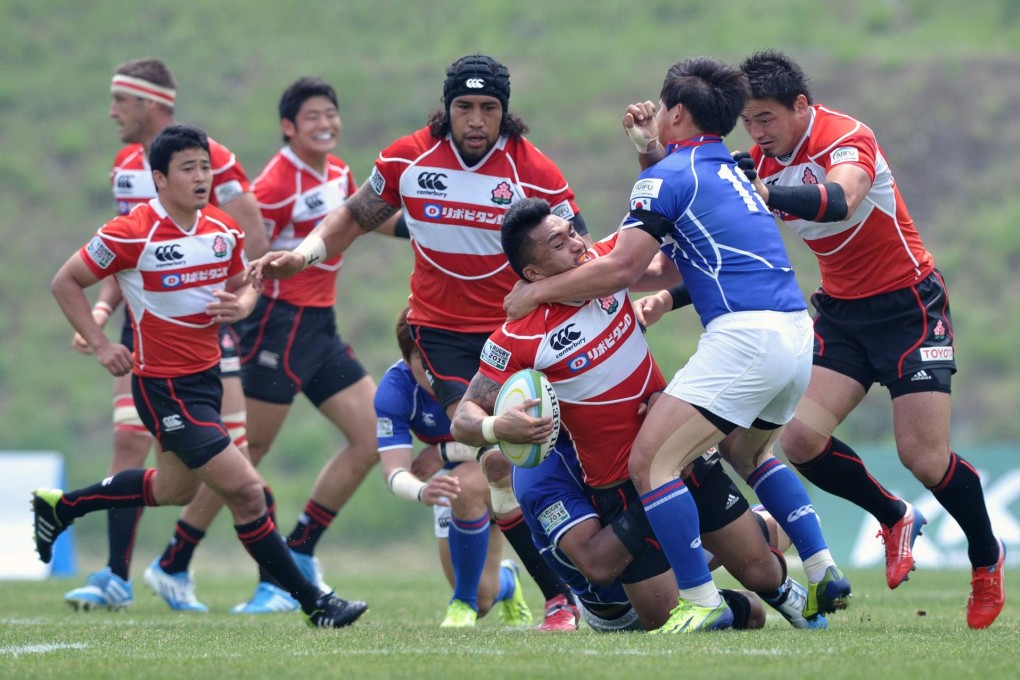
x: 18, y: 650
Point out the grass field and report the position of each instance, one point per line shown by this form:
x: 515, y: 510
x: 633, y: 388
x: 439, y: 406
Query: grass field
x: 917, y: 631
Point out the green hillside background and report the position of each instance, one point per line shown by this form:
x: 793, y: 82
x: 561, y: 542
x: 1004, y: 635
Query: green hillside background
x: 939, y: 82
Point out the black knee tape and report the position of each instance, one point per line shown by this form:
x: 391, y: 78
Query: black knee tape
x: 632, y: 528
x: 740, y: 606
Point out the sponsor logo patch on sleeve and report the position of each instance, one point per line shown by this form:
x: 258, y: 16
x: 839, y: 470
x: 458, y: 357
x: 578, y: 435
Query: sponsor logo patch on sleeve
x: 100, y: 252
x: 563, y: 209
x: 844, y: 154
x: 377, y: 181
x: 228, y: 191
x: 643, y: 193
x: 553, y: 516
x: 383, y: 427
x: 495, y: 356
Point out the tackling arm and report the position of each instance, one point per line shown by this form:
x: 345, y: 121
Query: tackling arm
x: 363, y: 212
x: 837, y: 199
x: 621, y: 268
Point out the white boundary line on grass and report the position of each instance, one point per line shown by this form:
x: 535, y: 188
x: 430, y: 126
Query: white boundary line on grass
x: 18, y: 650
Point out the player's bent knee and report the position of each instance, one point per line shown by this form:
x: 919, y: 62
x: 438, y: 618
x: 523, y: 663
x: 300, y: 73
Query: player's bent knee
x: 247, y: 501
x: 809, y: 430
x: 178, y: 495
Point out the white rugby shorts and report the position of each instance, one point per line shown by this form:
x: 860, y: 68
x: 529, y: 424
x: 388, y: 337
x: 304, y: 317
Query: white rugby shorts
x: 749, y: 365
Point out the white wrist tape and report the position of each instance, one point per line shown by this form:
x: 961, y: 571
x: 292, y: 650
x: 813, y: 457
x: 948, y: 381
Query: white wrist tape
x: 405, y: 485
x: 101, y: 312
x: 641, y: 142
x: 455, y: 452
x: 313, y: 249
x: 489, y: 429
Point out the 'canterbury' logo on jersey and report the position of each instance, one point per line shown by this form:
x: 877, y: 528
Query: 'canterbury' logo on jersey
x: 124, y: 182
x: 432, y: 181
x: 314, y: 202
x: 563, y: 338
x: 171, y: 253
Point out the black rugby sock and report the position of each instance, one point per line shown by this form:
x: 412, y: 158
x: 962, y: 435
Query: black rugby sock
x: 126, y: 489
x: 960, y: 494
x: 122, y: 527
x: 310, y: 527
x: 264, y: 574
x: 839, y: 471
x: 179, y: 551
x: 519, y: 536
x: 265, y: 544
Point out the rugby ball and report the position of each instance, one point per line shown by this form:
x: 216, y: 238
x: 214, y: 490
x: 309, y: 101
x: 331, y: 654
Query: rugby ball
x: 521, y: 386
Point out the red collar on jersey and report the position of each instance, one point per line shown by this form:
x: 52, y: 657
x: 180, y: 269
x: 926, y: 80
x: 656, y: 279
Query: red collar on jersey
x: 697, y: 140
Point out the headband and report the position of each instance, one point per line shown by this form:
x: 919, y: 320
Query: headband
x: 139, y: 87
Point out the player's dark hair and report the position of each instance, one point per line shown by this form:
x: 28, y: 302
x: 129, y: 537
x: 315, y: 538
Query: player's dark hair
x: 404, y: 339
x: 301, y: 90
x: 150, y: 69
x: 515, y: 234
x: 172, y: 139
x: 773, y: 75
x: 712, y: 91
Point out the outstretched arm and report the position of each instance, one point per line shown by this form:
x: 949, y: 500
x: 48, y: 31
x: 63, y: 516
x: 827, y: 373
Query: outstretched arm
x: 396, y: 468
x: 619, y: 269
x: 363, y: 212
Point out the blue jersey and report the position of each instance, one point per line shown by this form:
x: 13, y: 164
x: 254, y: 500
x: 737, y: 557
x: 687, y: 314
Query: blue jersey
x: 553, y: 499
x: 716, y: 229
x: 403, y: 408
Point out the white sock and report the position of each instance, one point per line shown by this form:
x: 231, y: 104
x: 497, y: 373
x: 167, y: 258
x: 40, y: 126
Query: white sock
x: 705, y: 595
x: 816, y: 565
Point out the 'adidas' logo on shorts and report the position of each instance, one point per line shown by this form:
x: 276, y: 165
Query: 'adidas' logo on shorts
x: 920, y: 375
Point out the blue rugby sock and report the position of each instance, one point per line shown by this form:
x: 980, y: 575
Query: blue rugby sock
x: 469, y: 546
x: 506, y: 584
x: 674, y: 519
x: 786, y: 499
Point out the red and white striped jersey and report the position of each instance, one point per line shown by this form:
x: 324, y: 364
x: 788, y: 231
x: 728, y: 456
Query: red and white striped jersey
x: 293, y: 198
x: 131, y: 177
x: 168, y: 274
x: 596, y: 358
x: 875, y: 250
x: 454, y: 213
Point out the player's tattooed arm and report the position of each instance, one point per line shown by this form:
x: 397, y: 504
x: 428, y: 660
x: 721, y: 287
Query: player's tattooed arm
x: 369, y: 209
x: 483, y: 391
x: 475, y: 408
